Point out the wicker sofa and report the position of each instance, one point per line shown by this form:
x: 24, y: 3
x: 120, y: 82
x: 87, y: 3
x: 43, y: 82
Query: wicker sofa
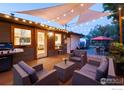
x: 23, y: 74
x: 94, y: 72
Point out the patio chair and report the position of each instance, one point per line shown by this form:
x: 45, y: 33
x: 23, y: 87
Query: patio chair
x: 23, y: 74
x: 79, y: 57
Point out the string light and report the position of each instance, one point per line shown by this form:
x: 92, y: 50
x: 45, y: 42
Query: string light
x: 81, y: 4
x: 58, y: 18
x: 64, y: 15
x: 101, y: 17
x: 7, y: 16
x: 30, y: 22
x: 16, y: 19
x: 87, y: 23
x: 72, y: 11
x: 93, y: 20
x: 36, y: 23
x: 24, y: 20
x: 42, y: 25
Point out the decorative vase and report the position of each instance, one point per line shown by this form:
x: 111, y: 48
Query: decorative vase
x: 65, y: 60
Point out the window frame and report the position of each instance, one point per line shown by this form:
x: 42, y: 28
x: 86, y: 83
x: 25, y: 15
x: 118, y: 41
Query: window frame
x: 13, y: 36
x: 55, y: 41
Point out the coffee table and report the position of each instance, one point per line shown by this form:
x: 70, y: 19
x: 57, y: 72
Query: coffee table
x: 65, y: 71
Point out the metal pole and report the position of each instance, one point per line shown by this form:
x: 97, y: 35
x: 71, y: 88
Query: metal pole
x: 120, y: 28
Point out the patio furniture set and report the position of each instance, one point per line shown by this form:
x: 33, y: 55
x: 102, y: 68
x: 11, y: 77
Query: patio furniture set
x: 88, y: 73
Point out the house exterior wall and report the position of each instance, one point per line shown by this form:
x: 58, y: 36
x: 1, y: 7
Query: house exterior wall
x: 5, y: 32
x: 29, y: 51
x: 72, y: 42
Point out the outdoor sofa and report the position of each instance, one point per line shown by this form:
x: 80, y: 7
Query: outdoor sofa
x: 23, y: 74
x: 95, y: 73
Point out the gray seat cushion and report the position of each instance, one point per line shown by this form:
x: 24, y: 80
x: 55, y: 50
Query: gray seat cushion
x: 77, y: 59
x: 29, y: 70
x: 88, y: 73
x: 90, y: 68
x: 102, y: 70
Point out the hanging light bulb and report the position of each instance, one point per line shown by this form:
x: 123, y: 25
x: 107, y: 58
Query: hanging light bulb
x: 58, y: 18
x: 93, y: 20
x: 72, y: 11
x: 24, y: 20
x: 16, y: 19
x: 30, y: 22
x: 7, y: 16
x: 87, y: 23
x: 64, y: 15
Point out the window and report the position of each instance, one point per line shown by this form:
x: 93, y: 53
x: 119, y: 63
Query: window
x: 58, y: 41
x: 22, y: 36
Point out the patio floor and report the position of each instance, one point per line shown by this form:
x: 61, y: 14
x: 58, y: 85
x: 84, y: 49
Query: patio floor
x: 48, y: 63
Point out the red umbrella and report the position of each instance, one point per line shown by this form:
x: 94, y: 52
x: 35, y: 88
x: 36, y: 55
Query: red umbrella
x: 102, y: 38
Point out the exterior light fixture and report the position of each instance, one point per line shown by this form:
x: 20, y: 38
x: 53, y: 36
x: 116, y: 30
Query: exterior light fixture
x: 119, y: 8
x: 50, y: 34
x: 122, y: 17
x: 7, y: 16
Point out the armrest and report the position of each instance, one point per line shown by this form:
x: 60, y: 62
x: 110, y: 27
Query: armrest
x: 50, y: 78
x: 38, y: 67
x: 71, y: 54
x: 95, y: 63
x: 82, y: 79
x: 111, y: 70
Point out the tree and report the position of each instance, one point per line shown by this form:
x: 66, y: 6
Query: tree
x: 107, y: 30
x: 113, y: 8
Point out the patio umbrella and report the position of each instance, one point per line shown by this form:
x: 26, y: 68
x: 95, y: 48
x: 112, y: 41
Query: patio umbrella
x: 102, y: 38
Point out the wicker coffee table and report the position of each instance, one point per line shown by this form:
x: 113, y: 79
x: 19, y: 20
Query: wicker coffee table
x: 65, y: 71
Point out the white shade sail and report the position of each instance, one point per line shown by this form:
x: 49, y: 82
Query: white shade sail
x: 66, y: 12
x: 90, y: 15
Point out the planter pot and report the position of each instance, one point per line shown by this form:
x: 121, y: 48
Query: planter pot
x: 119, y: 68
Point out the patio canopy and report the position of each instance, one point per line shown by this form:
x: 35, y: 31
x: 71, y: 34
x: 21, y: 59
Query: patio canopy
x: 66, y: 12
x: 101, y: 38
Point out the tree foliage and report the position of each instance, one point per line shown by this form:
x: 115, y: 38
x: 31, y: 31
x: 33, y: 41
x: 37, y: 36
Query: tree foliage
x: 107, y: 30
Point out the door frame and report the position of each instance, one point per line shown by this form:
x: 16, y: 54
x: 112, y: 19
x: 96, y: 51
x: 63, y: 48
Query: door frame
x: 45, y: 34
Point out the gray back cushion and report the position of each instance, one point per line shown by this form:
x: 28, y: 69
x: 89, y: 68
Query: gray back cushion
x: 78, y: 53
x: 29, y: 70
x: 102, y: 70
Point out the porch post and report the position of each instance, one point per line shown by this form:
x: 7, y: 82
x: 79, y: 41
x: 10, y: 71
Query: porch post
x: 120, y: 28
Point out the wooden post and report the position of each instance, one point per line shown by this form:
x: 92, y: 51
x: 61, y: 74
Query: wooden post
x: 120, y: 28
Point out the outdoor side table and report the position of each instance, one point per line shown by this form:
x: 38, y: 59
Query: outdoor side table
x: 65, y: 71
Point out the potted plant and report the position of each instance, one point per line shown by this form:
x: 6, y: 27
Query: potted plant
x: 117, y: 53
